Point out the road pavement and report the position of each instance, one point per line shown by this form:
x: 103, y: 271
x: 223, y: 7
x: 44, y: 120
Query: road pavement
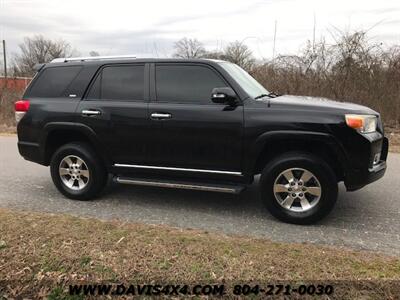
x: 366, y: 219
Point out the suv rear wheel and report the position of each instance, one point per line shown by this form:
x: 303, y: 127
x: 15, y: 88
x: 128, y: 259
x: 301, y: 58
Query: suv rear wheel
x: 77, y: 172
x: 298, y: 188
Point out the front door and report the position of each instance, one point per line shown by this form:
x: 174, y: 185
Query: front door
x: 188, y: 130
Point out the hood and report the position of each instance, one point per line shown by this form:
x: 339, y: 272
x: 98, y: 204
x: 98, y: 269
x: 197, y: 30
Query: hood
x: 321, y: 104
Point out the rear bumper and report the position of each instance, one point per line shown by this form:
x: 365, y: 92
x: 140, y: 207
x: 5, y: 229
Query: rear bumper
x: 31, y: 151
x: 357, y: 179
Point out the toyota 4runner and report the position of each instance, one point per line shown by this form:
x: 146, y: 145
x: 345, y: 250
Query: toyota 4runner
x: 195, y: 124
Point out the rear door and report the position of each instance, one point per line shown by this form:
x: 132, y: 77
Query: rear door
x: 188, y: 130
x: 116, y: 109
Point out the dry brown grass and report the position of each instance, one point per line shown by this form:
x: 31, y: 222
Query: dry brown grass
x: 7, y: 130
x: 41, y: 252
x: 7, y: 100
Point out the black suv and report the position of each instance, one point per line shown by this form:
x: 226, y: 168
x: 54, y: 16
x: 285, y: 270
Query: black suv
x: 195, y: 124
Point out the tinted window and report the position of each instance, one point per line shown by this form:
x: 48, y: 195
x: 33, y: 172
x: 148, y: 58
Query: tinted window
x: 186, y: 83
x: 246, y: 81
x: 53, y: 82
x: 119, y: 83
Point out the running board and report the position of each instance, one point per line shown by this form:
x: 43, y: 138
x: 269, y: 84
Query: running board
x: 222, y: 188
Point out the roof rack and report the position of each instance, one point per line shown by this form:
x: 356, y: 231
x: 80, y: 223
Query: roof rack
x: 88, y: 58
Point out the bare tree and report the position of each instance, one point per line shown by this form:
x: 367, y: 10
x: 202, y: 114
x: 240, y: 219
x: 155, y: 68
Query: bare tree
x: 94, y: 53
x: 214, y: 55
x: 38, y: 50
x: 189, y: 48
x: 239, y: 54
x: 353, y: 68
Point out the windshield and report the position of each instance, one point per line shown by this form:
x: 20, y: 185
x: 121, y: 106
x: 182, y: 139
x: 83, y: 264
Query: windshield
x: 248, y: 83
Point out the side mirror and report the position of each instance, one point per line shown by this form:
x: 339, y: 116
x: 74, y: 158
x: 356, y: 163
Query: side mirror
x: 224, y: 95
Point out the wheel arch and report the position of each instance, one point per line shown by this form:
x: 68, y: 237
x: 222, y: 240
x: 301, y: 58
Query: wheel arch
x: 60, y: 133
x: 272, y: 144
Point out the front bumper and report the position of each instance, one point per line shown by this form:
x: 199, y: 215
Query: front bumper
x: 356, y: 179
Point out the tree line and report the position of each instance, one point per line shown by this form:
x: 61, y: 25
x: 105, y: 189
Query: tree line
x: 352, y: 68
x: 38, y: 50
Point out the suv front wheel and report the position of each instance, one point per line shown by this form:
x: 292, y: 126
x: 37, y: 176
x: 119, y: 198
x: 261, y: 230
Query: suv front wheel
x: 299, y: 188
x: 77, y: 172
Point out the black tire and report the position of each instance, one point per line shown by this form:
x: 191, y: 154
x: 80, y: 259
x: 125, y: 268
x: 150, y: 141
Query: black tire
x: 95, y: 167
x: 322, y: 172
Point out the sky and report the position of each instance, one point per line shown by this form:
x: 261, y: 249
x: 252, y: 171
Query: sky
x: 150, y: 28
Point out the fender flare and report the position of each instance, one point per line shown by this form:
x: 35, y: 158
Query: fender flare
x: 292, y: 135
x: 71, y: 126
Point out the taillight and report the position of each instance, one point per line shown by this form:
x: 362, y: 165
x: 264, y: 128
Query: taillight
x: 21, y: 107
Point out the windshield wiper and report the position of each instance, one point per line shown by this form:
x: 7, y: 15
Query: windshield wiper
x: 271, y: 95
x: 261, y: 96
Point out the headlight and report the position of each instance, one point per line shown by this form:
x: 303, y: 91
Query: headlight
x: 362, y: 123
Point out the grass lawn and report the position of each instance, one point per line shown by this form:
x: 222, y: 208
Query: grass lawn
x: 42, y: 254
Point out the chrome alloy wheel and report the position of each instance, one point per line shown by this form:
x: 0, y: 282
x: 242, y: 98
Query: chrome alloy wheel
x: 297, y: 190
x: 74, y: 172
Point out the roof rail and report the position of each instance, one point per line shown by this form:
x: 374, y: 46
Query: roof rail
x: 88, y: 58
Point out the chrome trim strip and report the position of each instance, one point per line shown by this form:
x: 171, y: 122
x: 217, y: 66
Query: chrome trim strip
x: 178, y: 169
x: 161, y: 116
x: 89, y: 112
x: 176, y: 185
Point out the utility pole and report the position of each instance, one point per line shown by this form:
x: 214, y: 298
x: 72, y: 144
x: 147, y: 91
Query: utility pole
x: 273, y: 49
x: 5, y: 59
x: 314, y: 28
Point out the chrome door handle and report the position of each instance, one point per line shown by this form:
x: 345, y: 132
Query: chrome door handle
x: 160, y: 116
x: 91, y: 112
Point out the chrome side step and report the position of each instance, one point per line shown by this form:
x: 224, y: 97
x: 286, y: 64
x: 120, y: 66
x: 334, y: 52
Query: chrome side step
x: 232, y: 189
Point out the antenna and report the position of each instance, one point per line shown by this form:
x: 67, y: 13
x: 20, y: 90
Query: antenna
x: 155, y: 48
x: 315, y: 25
x: 273, y: 49
x: 5, y: 58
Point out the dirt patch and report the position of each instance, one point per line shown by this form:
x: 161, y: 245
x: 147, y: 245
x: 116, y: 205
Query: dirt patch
x: 40, y: 253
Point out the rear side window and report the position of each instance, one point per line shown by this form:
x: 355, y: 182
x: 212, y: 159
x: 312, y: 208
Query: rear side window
x: 186, y: 83
x: 53, y: 82
x: 119, y: 83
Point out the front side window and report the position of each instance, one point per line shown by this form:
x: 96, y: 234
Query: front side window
x: 186, y: 83
x: 119, y: 83
x: 54, y: 81
x: 244, y: 79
